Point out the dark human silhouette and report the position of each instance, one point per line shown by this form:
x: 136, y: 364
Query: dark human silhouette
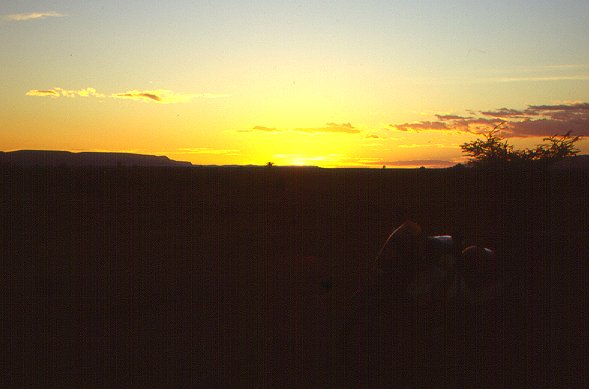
x: 416, y: 301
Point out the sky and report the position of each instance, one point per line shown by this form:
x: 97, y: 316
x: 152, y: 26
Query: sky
x: 326, y: 83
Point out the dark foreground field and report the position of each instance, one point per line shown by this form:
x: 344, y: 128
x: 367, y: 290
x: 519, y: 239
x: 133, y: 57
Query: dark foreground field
x: 246, y: 277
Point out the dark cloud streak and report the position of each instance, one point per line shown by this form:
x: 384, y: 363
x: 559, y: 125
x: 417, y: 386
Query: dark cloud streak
x: 534, y: 121
x: 346, y: 128
x: 149, y: 96
x: 42, y: 93
x: 332, y: 127
x: 266, y: 129
x: 505, y: 113
x: 449, y: 117
x: 420, y: 126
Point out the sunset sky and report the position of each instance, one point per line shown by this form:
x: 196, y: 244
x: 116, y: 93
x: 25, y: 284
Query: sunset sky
x: 327, y: 83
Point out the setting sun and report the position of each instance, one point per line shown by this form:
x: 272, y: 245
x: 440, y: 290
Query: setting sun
x: 298, y: 83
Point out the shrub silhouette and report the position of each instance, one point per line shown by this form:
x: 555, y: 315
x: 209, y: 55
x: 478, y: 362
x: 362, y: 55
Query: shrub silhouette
x: 493, y: 149
x: 557, y: 148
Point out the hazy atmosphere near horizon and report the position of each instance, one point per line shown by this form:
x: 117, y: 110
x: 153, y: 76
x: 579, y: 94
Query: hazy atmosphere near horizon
x: 326, y: 83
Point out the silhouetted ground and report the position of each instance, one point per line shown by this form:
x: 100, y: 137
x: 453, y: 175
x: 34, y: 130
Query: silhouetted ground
x: 245, y: 277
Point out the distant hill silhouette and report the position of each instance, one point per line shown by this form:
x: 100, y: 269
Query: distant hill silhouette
x: 66, y: 158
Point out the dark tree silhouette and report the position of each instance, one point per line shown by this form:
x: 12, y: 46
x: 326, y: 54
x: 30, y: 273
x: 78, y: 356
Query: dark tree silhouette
x: 493, y: 149
x: 557, y: 148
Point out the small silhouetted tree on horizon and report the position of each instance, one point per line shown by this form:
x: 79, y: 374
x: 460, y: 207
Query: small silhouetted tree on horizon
x: 494, y: 150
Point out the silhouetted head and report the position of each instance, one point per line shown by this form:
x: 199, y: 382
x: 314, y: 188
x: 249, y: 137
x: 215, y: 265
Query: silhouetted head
x: 398, y: 263
x: 480, y: 265
x: 401, y: 214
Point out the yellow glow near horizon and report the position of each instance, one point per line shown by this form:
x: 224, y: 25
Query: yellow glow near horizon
x: 295, y: 83
x: 295, y: 147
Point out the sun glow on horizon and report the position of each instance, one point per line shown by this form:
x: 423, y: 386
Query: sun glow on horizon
x: 329, y: 84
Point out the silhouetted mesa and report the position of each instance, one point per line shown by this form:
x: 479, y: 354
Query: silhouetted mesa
x: 66, y: 158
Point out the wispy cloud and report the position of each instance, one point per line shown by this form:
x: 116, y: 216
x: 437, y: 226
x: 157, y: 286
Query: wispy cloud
x: 332, y: 127
x: 538, y: 73
x: 503, y: 113
x: 420, y: 126
x: 516, y: 74
x: 266, y: 129
x: 346, y: 128
x: 261, y: 129
x: 163, y: 96
x: 544, y: 120
x: 449, y: 117
x: 43, y: 93
x: 157, y: 96
x: 33, y: 16
x: 59, y: 92
x: 536, y: 68
x: 455, y: 123
x: 137, y: 95
x: 578, y: 77
x: 536, y: 120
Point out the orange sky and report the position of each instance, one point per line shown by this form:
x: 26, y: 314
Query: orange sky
x: 297, y: 83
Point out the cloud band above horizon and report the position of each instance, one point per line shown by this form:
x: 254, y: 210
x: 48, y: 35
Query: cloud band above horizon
x: 345, y: 128
x: 33, y: 16
x: 159, y: 96
x: 60, y: 92
x: 534, y: 121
